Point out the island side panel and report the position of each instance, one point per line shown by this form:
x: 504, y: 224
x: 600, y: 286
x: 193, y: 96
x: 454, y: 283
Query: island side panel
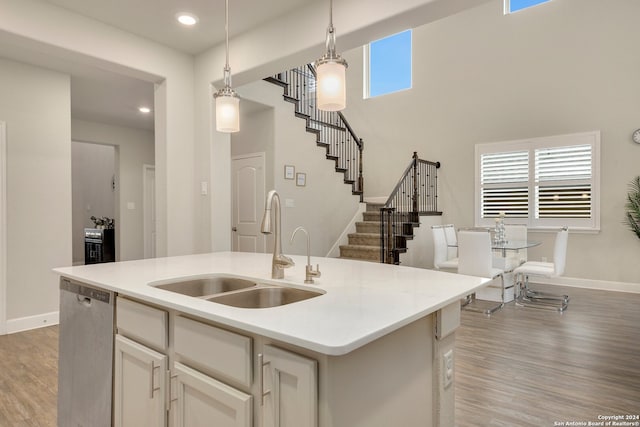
x: 387, y: 382
x: 447, y: 320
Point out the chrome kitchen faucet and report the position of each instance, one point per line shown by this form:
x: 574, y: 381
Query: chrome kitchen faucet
x: 280, y: 261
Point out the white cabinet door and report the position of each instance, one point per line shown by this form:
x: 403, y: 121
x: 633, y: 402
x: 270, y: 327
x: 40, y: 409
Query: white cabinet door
x: 139, y: 385
x: 290, y: 385
x: 202, y: 401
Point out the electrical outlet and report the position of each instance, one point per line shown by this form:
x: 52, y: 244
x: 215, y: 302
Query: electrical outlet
x: 447, y: 371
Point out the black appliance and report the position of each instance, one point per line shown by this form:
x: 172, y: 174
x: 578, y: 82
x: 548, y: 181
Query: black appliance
x: 99, y: 245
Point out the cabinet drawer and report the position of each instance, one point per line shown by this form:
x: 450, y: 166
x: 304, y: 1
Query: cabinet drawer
x: 142, y: 323
x: 225, y: 354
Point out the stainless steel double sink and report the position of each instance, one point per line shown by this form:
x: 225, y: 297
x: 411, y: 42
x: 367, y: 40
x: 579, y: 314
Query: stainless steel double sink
x: 237, y: 292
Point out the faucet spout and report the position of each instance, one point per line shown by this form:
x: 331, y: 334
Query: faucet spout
x: 309, y: 272
x: 280, y: 261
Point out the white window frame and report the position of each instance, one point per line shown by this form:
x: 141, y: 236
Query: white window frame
x: 366, y: 81
x: 543, y: 224
x: 507, y: 7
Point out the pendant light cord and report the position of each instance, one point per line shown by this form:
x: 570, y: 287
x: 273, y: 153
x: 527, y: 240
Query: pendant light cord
x: 226, y: 28
x: 331, y: 13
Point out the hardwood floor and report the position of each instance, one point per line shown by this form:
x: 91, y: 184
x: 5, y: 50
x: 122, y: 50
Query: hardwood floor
x: 530, y: 367
x: 520, y: 367
x: 29, y: 378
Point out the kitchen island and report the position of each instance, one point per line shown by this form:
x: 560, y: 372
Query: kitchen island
x: 375, y: 348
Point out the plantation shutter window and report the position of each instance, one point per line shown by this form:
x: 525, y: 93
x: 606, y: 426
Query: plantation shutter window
x: 504, y: 180
x: 563, y: 178
x: 543, y: 182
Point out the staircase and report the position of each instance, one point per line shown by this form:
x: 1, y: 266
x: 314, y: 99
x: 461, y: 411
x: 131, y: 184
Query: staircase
x: 364, y: 244
x: 332, y: 130
x: 415, y: 195
x: 382, y: 234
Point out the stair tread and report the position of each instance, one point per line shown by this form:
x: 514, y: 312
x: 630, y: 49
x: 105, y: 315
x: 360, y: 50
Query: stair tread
x: 364, y: 248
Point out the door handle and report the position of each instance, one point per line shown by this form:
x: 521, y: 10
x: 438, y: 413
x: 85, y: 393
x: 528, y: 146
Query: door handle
x: 234, y: 228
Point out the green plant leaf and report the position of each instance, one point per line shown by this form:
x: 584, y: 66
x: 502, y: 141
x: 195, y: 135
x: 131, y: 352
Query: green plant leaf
x: 633, y: 206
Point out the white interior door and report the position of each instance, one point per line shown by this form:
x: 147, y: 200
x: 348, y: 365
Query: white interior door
x: 3, y: 229
x: 248, y: 187
x: 149, y: 210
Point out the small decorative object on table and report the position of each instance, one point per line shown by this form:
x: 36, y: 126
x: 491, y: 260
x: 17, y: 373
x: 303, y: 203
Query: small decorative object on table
x: 499, y: 236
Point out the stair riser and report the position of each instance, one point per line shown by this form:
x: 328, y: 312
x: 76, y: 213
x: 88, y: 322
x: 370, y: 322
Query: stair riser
x: 374, y: 207
x: 358, y: 253
x: 368, y: 227
x: 364, y: 240
x: 371, y: 216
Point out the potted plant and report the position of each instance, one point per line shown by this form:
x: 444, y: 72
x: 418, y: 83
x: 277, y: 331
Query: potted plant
x: 633, y: 206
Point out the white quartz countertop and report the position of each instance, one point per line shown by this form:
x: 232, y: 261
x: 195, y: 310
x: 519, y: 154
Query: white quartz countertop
x: 362, y: 301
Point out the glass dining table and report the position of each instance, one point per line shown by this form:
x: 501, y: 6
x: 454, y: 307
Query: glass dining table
x: 507, y: 264
x: 513, y: 245
x: 507, y: 245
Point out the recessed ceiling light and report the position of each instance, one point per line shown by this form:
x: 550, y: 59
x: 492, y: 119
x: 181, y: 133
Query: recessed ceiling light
x: 144, y: 110
x: 187, y: 19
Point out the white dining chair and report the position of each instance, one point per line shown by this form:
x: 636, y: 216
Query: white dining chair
x: 517, y: 232
x: 452, y: 241
x: 475, y: 258
x: 441, y: 260
x: 532, y: 298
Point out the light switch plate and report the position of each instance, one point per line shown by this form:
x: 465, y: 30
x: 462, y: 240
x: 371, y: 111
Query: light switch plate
x: 131, y: 206
x: 290, y: 203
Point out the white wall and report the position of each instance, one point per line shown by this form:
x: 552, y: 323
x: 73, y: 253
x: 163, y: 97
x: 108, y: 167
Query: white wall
x: 33, y: 27
x: 92, y: 194
x: 257, y: 135
x: 35, y: 104
x: 291, y: 40
x: 325, y: 205
x: 135, y: 147
x: 562, y: 67
x: 187, y: 148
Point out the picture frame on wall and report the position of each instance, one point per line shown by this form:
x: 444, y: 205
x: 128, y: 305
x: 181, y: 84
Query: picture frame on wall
x: 289, y: 171
x: 301, y: 179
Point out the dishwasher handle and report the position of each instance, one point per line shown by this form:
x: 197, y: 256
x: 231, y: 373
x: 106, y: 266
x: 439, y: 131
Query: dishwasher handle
x: 86, y: 301
x: 86, y: 295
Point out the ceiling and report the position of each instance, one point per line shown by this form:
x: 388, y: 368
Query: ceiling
x: 106, y: 97
x: 155, y: 19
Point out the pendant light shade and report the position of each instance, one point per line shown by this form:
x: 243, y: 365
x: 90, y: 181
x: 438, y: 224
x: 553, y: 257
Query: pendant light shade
x: 227, y: 100
x: 227, y: 111
x: 331, y: 89
x: 331, y: 75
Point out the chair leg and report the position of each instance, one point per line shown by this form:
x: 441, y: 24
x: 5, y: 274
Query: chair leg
x: 546, y: 303
x: 532, y: 294
x: 468, y: 300
x: 488, y: 311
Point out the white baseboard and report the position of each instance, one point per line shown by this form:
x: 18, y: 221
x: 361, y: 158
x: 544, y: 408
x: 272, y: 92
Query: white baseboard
x: 334, y: 252
x: 603, y: 285
x: 32, y: 322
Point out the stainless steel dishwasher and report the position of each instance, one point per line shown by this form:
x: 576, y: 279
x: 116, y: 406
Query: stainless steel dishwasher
x: 85, y: 355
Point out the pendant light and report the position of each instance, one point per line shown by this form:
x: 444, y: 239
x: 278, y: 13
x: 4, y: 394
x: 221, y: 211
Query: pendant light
x: 227, y: 100
x: 331, y: 91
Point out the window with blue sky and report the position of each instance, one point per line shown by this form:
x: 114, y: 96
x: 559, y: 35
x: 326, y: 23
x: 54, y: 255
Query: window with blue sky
x: 389, y: 65
x: 511, y: 6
